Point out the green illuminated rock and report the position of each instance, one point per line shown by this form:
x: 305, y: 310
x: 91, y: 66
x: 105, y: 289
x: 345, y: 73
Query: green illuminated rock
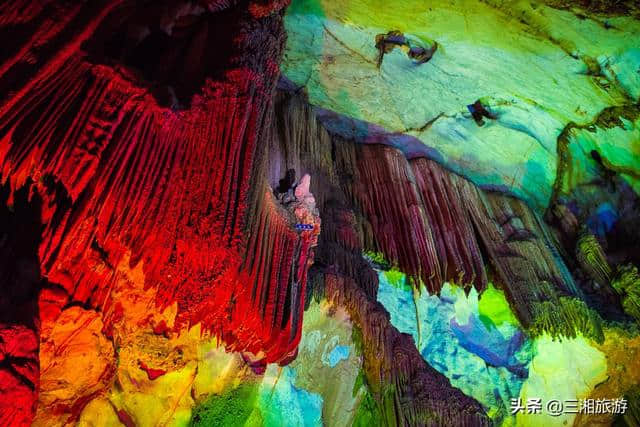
x: 562, y: 370
x: 494, y: 309
x: 627, y: 284
x: 232, y: 408
x: 592, y: 259
x: 564, y: 317
x: 538, y: 69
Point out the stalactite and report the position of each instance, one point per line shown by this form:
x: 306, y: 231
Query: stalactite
x: 416, y: 297
x: 393, y: 365
x: 114, y: 151
x: 565, y: 317
x: 627, y: 284
x: 126, y: 157
x: 301, y: 144
x: 519, y: 248
x: 387, y: 193
x: 382, y: 202
x: 459, y: 255
x: 592, y: 259
x: 276, y: 265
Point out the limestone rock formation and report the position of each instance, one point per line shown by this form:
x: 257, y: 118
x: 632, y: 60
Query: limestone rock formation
x: 265, y: 212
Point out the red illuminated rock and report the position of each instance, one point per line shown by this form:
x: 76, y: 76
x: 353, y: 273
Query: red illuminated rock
x: 152, y: 156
